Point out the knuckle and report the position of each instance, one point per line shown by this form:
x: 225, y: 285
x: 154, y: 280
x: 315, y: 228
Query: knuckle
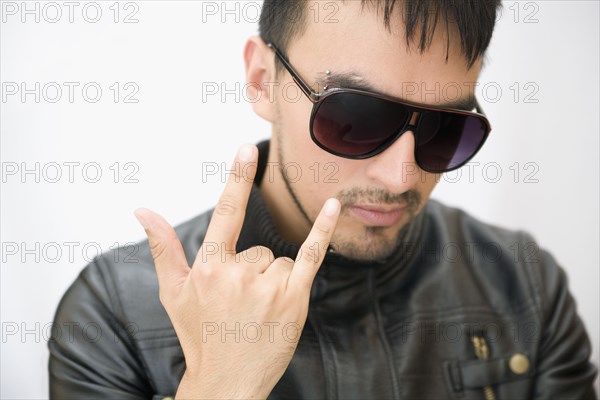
x: 284, y: 264
x: 246, y: 274
x: 203, y: 272
x: 157, y: 250
x: 227, y: 205
x: 242, y: 276
x: 252, y: 255
x: 309, y: 254
x: 322, y: 229
x: 286, y: 261
x: 279, y: 266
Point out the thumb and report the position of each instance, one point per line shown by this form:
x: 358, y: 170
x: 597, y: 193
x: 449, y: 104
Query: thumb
x: 169, y: 259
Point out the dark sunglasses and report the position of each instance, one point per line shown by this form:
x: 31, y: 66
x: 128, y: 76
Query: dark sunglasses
x: 357, y: 124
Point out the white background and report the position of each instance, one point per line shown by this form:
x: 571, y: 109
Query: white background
x: 169, y: 53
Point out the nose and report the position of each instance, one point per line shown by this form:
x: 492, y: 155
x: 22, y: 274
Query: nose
x: 396, y: 168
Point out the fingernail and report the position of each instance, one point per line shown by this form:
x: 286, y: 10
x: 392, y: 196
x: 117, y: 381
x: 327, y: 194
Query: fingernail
x: 245, y: 152
x: 140, y: 217
x: 331, y: 207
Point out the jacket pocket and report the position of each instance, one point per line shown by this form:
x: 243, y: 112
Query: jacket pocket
x: 493, y: 377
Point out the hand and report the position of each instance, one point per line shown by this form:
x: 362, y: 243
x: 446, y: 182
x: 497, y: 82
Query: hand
x: 238, y: 317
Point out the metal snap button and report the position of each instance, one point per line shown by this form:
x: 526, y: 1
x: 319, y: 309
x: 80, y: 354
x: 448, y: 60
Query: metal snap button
x: 519, y: 363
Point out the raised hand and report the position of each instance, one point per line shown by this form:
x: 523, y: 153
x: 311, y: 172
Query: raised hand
x: 239, y: 316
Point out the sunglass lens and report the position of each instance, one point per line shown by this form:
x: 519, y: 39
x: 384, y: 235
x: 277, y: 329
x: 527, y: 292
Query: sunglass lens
x: 445, y: 140
x: 354, y: 124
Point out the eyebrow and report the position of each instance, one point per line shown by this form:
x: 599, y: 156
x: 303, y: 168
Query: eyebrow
x: 345, y: 80
x: 348, y: 80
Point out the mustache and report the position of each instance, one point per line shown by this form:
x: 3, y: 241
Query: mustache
x: 411, y: 199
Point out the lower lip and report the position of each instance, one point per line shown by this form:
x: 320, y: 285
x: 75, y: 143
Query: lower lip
x: 377, y: 218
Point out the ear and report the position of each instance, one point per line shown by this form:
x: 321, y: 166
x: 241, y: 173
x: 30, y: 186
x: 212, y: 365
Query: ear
x: 260, y: 77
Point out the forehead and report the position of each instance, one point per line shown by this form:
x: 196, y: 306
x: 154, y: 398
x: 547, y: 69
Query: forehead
x: 354, y: 41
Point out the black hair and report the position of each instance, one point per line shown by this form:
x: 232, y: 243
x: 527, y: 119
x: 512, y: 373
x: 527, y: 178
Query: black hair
x: 283, y: 20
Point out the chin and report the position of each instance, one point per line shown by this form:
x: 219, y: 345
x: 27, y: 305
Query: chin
x: 353, y: 251
x: 366, y: 248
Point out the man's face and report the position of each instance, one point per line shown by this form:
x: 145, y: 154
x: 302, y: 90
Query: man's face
x: 381, y: 194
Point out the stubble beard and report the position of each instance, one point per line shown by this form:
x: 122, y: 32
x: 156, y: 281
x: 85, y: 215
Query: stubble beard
x: 365, y: 243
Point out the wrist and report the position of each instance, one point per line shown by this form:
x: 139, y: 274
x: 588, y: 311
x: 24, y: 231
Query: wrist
x: 209, y: 385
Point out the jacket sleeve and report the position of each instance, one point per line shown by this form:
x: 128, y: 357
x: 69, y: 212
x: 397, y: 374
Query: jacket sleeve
x: 564, y: 369
x: 91, y: 354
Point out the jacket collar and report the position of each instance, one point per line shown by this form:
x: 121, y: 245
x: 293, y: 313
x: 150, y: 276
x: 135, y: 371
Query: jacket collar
x: 342, y: 284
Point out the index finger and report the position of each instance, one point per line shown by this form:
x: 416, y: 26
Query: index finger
x: 312, y: 252
x: 228, y: 216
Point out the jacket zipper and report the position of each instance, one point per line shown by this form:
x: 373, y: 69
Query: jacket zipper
x: 382, y: 336
x: 482, y: 352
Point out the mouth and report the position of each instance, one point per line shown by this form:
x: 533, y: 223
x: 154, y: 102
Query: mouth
x: 372, y: 215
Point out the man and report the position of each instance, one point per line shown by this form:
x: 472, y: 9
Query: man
x: 334, y: 284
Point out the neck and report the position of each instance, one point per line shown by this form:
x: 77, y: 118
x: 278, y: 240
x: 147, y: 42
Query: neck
x: 287, y: 216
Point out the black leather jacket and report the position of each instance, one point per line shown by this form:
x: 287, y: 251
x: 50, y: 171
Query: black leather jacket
x: 462, y: 310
